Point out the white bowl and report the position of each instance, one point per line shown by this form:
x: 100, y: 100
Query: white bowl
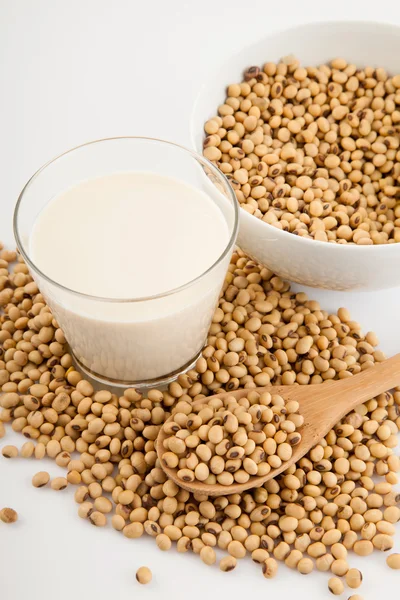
x: 313, y: 263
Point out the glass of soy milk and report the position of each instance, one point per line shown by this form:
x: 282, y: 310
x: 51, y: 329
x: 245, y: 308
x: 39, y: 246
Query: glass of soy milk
x: 129, y: 240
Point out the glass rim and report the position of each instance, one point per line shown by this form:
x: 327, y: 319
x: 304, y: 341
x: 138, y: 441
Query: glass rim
x: 193, y: 154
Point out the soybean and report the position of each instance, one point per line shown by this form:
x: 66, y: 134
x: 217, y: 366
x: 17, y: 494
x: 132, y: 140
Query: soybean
x: 40, y: 479
x: 335, y: 586
x: 8, y: 515
x: 144, y: 575
x: 393, y: 561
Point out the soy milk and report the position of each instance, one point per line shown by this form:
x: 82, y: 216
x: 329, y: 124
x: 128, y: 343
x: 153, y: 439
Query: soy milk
x: 128, y: 239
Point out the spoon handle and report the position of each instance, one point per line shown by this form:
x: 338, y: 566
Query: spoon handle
x: 352, y: 391
x: 373, y: 381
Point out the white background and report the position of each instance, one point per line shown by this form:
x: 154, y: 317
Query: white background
x: 76, y: 70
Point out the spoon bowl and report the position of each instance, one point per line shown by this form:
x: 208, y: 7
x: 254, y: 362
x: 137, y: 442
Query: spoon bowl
x: 322, y: 407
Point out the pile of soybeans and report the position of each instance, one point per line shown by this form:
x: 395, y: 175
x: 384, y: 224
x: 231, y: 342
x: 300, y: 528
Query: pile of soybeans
x: 314, y: 151
x: 340, y: 498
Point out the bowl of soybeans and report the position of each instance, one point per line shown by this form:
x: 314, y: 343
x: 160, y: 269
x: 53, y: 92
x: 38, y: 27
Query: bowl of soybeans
x: 305, y: 125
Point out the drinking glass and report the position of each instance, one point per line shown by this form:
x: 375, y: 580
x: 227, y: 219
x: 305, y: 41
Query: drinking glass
x: 137, y: 342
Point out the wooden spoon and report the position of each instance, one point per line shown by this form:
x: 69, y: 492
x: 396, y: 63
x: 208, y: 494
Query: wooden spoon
x: 322, y: 407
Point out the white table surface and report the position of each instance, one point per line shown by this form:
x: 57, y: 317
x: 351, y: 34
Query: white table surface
x: 72, y: 71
